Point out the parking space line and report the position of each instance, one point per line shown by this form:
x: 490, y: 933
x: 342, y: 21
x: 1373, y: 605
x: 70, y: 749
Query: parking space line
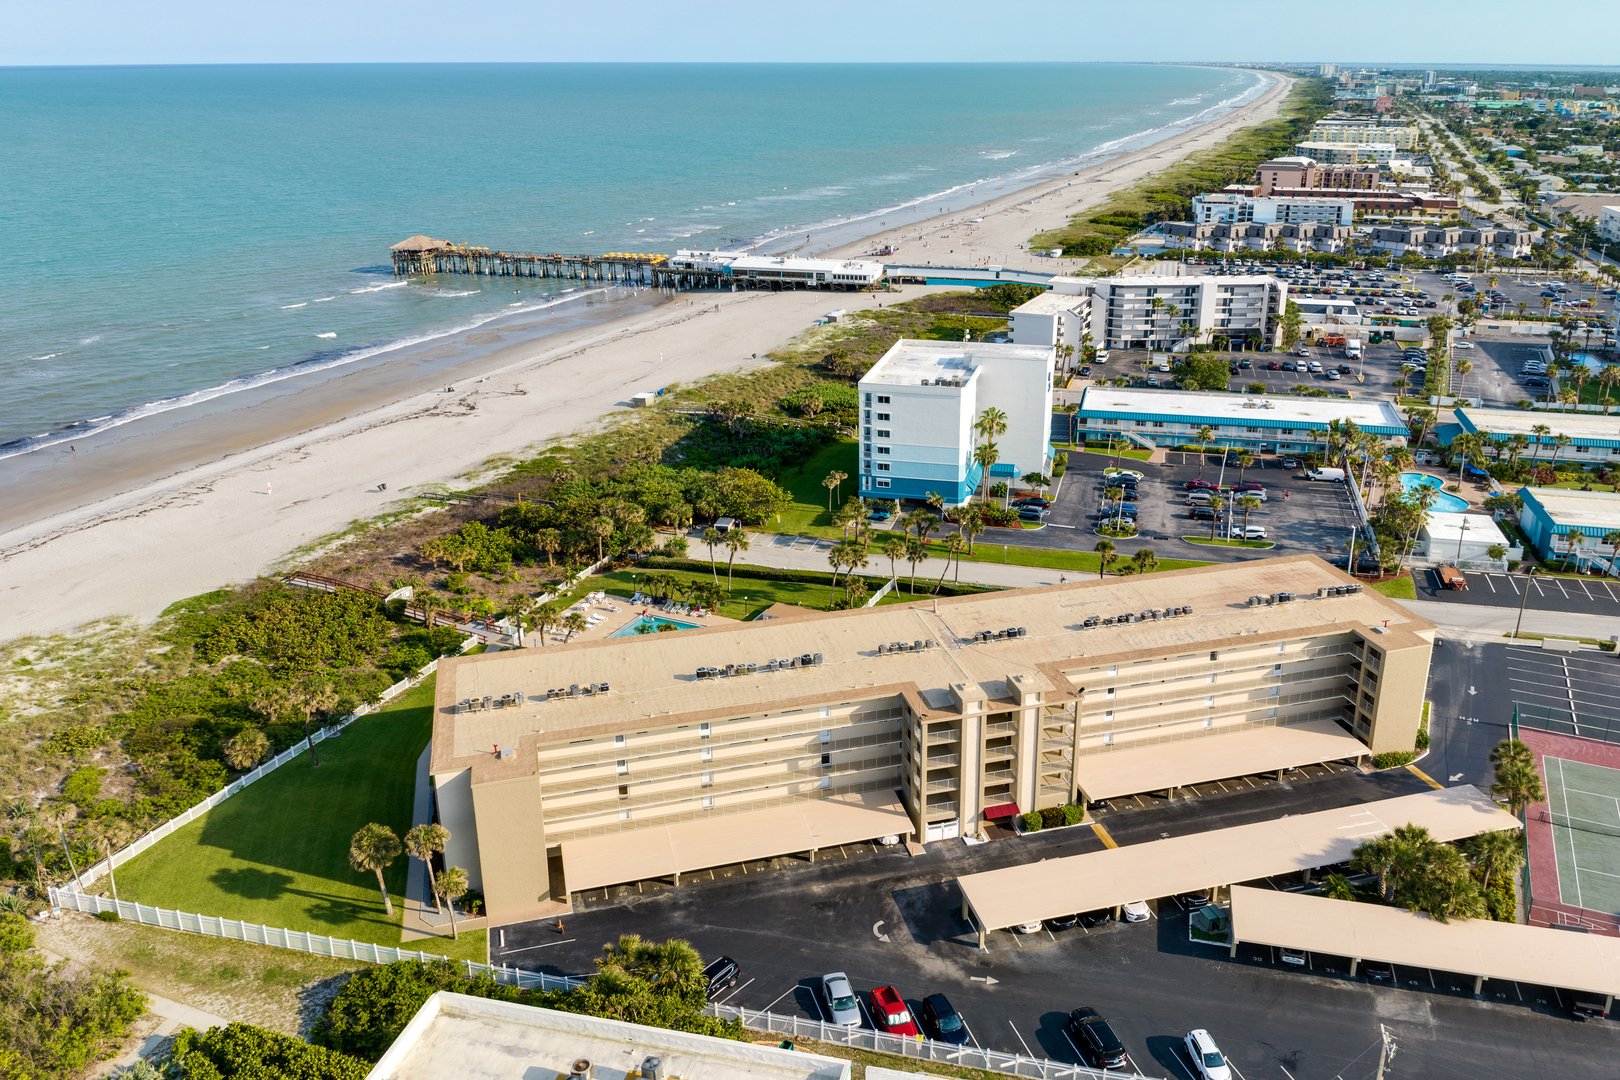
x: 784, y: 994
x: 1488, y: 581
x: 734, y: 991
x: 531, y: 948
x: 1025, y: 1045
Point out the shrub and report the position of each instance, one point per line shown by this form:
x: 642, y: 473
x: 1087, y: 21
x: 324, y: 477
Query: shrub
x: 1501, y: 902
x: 1393, y: 759
x: 1052, y: 817
x: 107, y: 916
x: 1031, y: 821
x: 248, y: 1052
x: 1072, y: 814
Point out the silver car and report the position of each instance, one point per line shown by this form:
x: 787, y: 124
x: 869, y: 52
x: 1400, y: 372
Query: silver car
x: 842, y: 1008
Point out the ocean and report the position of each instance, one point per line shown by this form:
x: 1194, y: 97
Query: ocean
x: 180, y: 234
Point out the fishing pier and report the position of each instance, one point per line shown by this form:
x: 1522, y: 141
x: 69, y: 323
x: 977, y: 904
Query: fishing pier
x: 423, y: 255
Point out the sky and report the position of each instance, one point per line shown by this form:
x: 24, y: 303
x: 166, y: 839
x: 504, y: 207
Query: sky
x: 368, y: 31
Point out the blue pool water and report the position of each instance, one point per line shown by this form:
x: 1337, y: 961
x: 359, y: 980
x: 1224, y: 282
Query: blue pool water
x: 1444, y: 503
x: 654, y: 624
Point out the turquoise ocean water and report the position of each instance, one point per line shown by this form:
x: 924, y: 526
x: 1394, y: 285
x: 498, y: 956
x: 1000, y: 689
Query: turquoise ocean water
x: 178, y: 234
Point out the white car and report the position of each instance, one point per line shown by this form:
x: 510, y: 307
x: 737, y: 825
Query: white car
x: 1463, y: 345
x: 1137, y: 911
x: 1132, y: 473
x: 1028, y: 928
x: 842, y: 1008
x: 1292, y: 956
x: 1247, y: 532
x: 1207, y: 1060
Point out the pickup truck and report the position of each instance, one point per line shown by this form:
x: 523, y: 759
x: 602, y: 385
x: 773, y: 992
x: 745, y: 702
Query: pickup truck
x: 1451, y: 578
x: 890, y: 1014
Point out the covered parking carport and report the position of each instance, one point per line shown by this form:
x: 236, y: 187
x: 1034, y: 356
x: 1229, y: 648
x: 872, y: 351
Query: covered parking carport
x: 1171, y: 766
x: 1537, y: 955
x: 1033, y: 892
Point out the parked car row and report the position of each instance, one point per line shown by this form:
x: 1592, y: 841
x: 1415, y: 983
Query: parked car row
x: 936, y: 1018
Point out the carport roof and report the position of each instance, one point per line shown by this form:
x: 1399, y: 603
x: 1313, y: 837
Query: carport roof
x: 1529, y: 954
x: 1161, y: 766
x: 1105, y: 879
x: 711, y: 840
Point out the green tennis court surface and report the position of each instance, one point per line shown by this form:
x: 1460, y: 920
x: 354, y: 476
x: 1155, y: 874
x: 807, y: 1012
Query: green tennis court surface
x: 1583, y: 804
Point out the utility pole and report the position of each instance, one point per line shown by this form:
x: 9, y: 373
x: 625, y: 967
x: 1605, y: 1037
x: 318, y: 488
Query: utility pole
x: 1386, y: 1053
x: 1530, y: 574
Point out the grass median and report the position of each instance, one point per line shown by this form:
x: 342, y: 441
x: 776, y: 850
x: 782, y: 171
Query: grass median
x: 277, y: 853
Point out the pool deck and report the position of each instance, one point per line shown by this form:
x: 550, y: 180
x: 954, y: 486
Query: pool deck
x: 610, y: 613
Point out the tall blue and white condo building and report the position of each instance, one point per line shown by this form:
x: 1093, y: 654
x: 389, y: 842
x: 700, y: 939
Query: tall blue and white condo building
x: 919, y: 404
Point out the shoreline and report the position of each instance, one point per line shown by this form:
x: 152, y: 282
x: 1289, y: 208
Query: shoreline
x: 124, y: 528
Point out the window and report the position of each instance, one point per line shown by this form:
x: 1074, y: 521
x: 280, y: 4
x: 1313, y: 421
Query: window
x: 826, y: 782
x: 703, y: 731
x: 883, y: 399
x: 622, y: 767
x: 869, y: 399
x: 883, y: 450
x: 882, y: 483
x: 883, y: 416
x: 705, y: 753
x: 826, y: 736
x: 707, y: 778
x: 624, y: 815
x: 883, y: 466
x: 624, y: 791
x: 826, y: 711
x: 708, y: 802
x: 1214, y: 656
x: 826, y: 761
x: 883, y: 433
x: 618, y: 740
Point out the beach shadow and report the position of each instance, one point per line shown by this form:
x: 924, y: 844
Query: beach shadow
x: 252, y: 883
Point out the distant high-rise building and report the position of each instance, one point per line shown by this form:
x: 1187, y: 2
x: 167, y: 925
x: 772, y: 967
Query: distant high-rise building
x: 1327, y: 71
x: 1428, y: 80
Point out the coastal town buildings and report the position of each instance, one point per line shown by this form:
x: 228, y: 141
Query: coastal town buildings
x: 1436, y: 242
x: 1550, y: 515
x: 1364, y: 131
x: 1223, y: 208
x: 919, y: 404
x: 1608, y: 224
x: 1254, y: 236
x: 564, y: 769
x: 1587, y: 437
x: 1258, y: 422
x: 770, y: 271
x: 1299, y: 174
x: 1170, y: 313
x: 1387, y: 156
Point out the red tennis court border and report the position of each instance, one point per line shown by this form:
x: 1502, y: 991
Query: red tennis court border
x: 1546, y: 906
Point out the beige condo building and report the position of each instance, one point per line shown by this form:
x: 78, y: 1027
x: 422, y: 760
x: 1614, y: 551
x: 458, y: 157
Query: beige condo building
x: 568, y: 768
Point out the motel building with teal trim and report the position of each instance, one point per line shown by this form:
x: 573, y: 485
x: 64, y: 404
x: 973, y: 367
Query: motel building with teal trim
x: 1587, y: 437
x: 1550, y: 515
x: 1261, y: 423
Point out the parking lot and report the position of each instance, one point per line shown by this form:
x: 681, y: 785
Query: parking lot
x: 1314, y: 518
x: 886, y: 917
x: 1581, y: 596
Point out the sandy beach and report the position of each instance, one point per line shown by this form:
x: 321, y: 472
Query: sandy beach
x: 128, y: 525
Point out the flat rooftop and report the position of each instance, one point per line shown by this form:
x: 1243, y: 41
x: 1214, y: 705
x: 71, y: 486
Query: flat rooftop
x: 652, y: 678
x: 909, y: 361
x: 1480, y: 529
x: 830, y: 266
x: 1521, y: 421
x: 472, y: 1038
x: 1275, y: 410
x: 1105, y: 879
x: 1534, y: 955
x: 1598, y: 510
x: 1050, y: 303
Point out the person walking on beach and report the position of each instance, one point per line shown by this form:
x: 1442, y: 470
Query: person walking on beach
x: 267, y: 487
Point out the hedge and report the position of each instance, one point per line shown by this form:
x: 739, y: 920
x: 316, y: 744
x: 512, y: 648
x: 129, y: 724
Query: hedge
x: 807, y: 577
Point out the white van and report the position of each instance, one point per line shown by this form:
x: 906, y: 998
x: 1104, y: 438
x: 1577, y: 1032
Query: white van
x: 1335, y: 475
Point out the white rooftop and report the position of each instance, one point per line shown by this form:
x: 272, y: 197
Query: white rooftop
x: 1102, y: 401
x: 1050, y: 303
x: 1446, y: 529
x: 830, y: 266
x: 1520, y: 422
x: 1582, y: 509
x: 909, y: 361
x: 472, y: 1038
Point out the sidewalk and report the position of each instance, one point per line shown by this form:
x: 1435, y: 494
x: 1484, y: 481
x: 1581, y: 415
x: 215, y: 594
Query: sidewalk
x: 1492, y: 623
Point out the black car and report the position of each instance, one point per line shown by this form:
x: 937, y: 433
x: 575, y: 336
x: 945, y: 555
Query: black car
x: 1536, y: 381
x: 1032, y: 513
x: 1063, y: 922
x: 1344, y: 369
x: 1204, y: 513
x: 941, y: 1020
x: 1377, y: 971
x: 1033, y: 500
x: 1095, y: 1039
x: 721, y: 975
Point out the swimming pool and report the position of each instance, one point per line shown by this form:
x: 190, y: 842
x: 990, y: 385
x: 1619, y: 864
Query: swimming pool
x: 1444, y: 502
x: 653, y: 624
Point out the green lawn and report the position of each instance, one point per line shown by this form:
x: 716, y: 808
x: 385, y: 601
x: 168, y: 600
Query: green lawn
x: 749, y: 595
x: 277, y: 852
x: 1133, y: 453
x: 1083, y: 561
x: 1401, y: 588
x: 808, y: 514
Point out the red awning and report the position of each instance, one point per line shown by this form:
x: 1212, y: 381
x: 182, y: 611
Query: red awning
x: 1001, y: 810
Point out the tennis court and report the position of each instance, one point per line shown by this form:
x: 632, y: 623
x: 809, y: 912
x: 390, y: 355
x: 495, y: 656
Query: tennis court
x: 1583, y: 811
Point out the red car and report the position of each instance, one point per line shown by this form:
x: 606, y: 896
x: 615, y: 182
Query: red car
x: 890, y: 1014
x: 1201, y: 485
x: 1249, y: 485
x: 1273, y: 366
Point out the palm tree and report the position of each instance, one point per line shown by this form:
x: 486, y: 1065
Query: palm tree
x: 1248, y: 504
x: 1559, y: 442
x: 246, y: 748
x: 545, y: 616
x: 894, y: 546
x: 1517, y: 782
x: 574, y: 623
x: 831, y: 481
x: 600, y: 527
x: 1217, y: 504
x: 312, y: 698
x: 1245, y: 461
x: 424, y: 841
x: 1105, y: 556
x: 714, y: 537
x: 991, y: 424
x: 1498, y: 853
x: 954, y: 546
x: 548, y: 541
x: 1145, y: 561
x: 1573, y: 540
x: 666, y: 967
x: 1376, y: 857
x: 374, y: 848
x: 985, y: 455
x: 736, y: 540
x: 453, y: 884
x: 916, y: 550
x: 970, y: 522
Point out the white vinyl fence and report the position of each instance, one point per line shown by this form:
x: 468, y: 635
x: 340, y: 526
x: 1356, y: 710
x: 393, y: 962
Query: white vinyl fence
x: 97, y: 871
x: 296, y: 940
x: 971, y: 1057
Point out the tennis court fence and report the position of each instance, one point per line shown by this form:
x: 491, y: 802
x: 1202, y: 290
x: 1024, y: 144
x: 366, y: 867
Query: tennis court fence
x: 1584, y: 725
